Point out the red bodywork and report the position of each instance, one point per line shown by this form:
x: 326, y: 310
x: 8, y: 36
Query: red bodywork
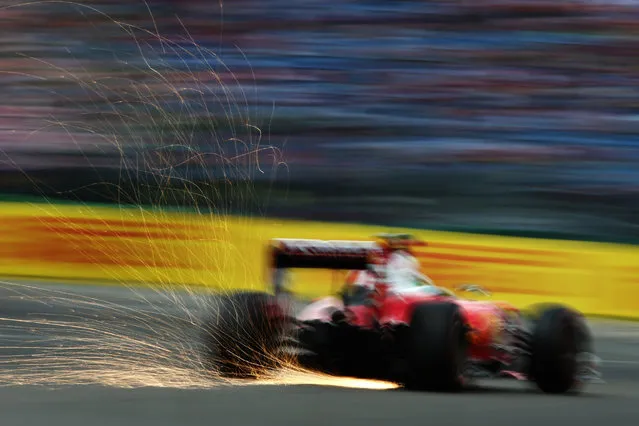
x: 485, y: 320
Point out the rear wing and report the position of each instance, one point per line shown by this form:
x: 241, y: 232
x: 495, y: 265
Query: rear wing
x: 346, y: 255
x: 322, y: 254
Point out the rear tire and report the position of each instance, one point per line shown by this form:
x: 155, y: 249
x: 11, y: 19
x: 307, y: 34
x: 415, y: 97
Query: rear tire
x: 243, y: 337
x: 560, y: 334
x: 317, y: 337
x: 437, y: 347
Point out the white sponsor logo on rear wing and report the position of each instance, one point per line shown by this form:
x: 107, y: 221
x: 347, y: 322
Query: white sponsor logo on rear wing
x: 307, y: 247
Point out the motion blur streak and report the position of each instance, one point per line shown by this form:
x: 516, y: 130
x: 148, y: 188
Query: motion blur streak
x: 86, y: 243
x: 510, y: 117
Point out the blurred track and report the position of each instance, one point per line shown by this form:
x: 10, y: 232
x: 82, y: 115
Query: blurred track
x: 494, y: 403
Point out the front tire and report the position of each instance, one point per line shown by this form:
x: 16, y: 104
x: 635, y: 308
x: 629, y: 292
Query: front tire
x: 437, y: 347
x: 559, y: 336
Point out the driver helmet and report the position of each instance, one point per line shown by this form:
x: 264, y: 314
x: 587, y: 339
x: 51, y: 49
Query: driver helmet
x: 377, y: 264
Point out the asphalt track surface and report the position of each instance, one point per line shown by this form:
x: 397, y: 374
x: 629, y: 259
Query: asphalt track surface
x: 58, y: 401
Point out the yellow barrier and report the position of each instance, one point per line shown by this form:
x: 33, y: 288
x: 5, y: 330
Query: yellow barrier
x: 127, y: 245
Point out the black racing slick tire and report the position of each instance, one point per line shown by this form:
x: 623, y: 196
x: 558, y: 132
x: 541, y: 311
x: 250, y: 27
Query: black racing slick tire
x: 316, y: 340
x: 559, y: 336
x: 243, y: 337
x: 437, y: 348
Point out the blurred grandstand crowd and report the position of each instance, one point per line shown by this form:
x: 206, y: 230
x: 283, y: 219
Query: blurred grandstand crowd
x: 504, y: 115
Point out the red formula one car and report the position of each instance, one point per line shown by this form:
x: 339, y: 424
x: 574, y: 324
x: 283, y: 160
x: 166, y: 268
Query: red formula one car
x: 390, y: 322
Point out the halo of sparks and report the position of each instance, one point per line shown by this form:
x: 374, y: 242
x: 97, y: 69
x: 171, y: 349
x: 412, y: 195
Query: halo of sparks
x: 154, y: 341
x: 93, y: 341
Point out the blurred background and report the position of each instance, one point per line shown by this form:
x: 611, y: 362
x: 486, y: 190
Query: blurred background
x: 511, y: 117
